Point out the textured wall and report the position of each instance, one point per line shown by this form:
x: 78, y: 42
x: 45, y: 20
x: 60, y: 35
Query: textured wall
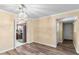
x: 45, y: 31
x: 6, y: 31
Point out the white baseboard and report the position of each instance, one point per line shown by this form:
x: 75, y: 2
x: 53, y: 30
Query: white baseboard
x: 29, y: 42
x: 54, y: 46
x: 12, y: 48
x: 6, y: 50
x: 60, y: 41
x: 48, y: 44
x: 76, y: 49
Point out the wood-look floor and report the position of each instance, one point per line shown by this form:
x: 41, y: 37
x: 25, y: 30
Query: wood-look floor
x: 66, y: 48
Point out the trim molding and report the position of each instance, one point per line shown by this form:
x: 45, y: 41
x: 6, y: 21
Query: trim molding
x: 47, y: 44
x: 75, y: 48
x: 6, y: 50
x: 71, y: 11
x: 7, y: 12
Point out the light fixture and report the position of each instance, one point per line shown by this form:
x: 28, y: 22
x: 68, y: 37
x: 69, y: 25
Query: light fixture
x: 22, y: 16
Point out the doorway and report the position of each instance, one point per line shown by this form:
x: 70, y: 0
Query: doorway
x: 65, y: 33
x: 65, y: 29
x: 21, y: 36
x: 68, y: 35
x: 68, y: 31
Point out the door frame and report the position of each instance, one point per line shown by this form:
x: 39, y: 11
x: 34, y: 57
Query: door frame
x: 60, y: 20
x: 15, y: 27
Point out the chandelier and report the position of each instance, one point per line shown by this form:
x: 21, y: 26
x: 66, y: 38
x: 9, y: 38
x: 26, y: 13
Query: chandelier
x: 22, y: 16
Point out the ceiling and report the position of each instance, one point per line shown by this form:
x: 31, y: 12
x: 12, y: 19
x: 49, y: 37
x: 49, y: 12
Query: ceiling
x: 40, y: 10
